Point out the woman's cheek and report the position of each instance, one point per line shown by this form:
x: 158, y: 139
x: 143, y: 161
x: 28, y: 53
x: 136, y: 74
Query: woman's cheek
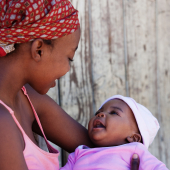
x: 66, y: 69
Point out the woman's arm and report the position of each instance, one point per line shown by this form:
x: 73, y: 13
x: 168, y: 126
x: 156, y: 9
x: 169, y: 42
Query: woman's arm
x: 58, y: 126
x: 11, y: 143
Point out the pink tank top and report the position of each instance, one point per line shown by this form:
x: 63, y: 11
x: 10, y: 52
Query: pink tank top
x: 36, y: 158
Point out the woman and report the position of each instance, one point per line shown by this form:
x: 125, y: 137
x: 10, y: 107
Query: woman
x: 37, y: 41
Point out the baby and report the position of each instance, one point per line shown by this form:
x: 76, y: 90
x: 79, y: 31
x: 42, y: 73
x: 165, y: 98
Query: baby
x: 120, y: 128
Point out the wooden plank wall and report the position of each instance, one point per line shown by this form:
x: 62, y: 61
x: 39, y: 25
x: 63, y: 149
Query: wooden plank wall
x: 124, y: 49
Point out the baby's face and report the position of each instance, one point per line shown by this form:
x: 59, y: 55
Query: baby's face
x: 112, y: 124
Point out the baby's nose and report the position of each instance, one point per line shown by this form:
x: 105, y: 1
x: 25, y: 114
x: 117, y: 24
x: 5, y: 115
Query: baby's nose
x: 101, y: 114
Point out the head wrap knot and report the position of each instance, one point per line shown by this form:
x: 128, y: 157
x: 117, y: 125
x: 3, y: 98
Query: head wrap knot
x: 26, y: 20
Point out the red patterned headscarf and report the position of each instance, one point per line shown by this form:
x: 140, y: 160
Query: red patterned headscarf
x: 26, y: 20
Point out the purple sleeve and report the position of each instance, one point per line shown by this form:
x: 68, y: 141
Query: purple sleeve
x: 70, y: 162
x: 147, y: 160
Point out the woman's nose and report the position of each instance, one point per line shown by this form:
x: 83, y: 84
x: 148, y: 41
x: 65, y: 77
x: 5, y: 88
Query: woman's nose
x: 101, y: 114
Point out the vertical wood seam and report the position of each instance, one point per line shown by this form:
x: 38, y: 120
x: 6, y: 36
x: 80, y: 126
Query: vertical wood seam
x: 91, y: 53
x: 158, y: 80
x: 125, y: 49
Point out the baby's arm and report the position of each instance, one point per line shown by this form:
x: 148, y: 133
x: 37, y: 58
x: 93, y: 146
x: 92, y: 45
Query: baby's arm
x: 147, y: 160
x: 70, y: 162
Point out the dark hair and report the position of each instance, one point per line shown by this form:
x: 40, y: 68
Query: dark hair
x: 16, y: 45
x: 48, y: 42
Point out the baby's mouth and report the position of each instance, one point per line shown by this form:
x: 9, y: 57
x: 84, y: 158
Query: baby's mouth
x: 98, y: 124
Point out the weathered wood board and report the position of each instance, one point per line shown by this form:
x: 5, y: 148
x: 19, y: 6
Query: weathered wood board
x: 124, y: 49
x: 108, y: 50
x: 163, y: 64
x: 140, y: 28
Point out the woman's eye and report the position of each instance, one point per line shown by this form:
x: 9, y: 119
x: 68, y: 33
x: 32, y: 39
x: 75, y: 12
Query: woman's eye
x: 70, y: 59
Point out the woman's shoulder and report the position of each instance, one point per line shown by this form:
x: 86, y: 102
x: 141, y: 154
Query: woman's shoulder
x: 11, y: 143
x: 6, y: 120
x: 8, y: 128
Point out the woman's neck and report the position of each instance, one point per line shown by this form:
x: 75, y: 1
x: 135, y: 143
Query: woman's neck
x: 11, y: 81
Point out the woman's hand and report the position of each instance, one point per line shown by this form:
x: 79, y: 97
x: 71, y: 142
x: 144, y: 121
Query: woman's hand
x: 135, y: 162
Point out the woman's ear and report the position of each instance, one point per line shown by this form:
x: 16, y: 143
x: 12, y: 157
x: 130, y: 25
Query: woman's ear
x: 136, y: 137
x: 37, y: 50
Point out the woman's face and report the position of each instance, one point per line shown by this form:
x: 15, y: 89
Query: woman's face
x: 62, y: 53
x: 56, y: 61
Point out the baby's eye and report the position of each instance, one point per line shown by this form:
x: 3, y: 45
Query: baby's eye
x: 113, y: 113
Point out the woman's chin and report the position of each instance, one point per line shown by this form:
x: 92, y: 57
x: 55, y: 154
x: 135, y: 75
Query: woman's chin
x: 53, y: 84
x: 45, y: 90
x: 42, y: 91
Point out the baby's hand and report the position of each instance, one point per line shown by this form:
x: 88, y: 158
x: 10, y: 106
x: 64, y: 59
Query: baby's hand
x: 135, y: 162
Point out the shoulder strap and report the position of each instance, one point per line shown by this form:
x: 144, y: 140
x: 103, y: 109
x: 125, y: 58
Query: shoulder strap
x: 12, y: 113
x: 50, y: 148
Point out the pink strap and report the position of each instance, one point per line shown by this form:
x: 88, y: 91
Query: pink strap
x: 12, y: 113
x: 50, y: 148
x: 8, y: 108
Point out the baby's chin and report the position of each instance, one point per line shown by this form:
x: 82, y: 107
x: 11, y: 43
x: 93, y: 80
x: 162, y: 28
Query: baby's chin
x: 99, y: 143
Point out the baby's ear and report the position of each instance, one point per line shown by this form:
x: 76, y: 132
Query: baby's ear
x: 136, y: 137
